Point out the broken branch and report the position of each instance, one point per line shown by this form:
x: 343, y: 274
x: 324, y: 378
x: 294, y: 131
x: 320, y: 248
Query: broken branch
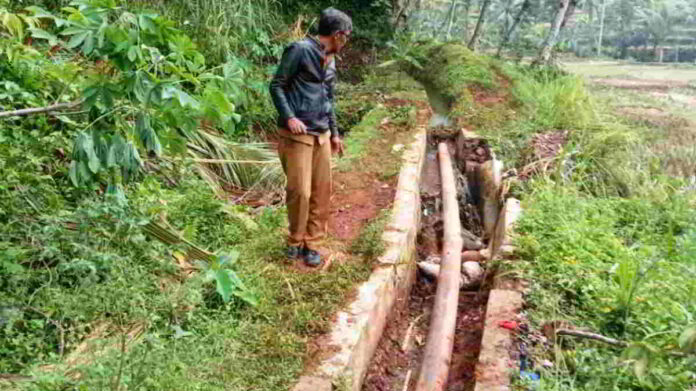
x: 593, y: 336
x: 38, y: 110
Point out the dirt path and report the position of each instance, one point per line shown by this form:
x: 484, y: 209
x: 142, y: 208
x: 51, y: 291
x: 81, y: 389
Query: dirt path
x: 360, y: 194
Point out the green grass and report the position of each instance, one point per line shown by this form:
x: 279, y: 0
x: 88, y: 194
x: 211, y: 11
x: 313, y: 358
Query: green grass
x: 583, y: 255
x: 607, y: 218
x: 115, y: 275
x: 369, y: 243
x: 356, y: 143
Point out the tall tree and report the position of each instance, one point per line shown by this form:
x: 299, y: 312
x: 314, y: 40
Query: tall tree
x: 479, y: 25
x: 544, y: 56
x: 400, y: 10
x: 602, y: 15
x: 450, y: 18
x: 467, y: 8
x: 518, y: 18
x: 659, y: 23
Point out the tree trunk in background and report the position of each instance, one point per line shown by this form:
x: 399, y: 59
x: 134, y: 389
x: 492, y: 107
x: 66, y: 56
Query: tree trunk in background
x: 547, y: 47
x: 569, y: 13
x: 601, y: 27
x: 453, y: 9
x: 400, y: 12
x: 515, y: 23
x: 479, y: 25
x: 467, y: 9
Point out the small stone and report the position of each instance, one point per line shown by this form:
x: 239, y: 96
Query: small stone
x: 472, y: 256
x: 433, y: 259
x: 485, y: 253
x: 471, y: 241
x: 397, y: 147
x: 473, y: 271
x: 507, y: 250
x: 547, y: 364
x: 429, y: 269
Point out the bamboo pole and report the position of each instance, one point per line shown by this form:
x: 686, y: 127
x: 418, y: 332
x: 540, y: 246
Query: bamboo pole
x: 438, y: 350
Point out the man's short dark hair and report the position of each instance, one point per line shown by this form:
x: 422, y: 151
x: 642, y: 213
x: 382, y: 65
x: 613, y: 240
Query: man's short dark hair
x: 333, y: 20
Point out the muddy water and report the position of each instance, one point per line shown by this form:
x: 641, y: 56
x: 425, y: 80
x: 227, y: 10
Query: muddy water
x: 398, y: 357
x: 440, y: 106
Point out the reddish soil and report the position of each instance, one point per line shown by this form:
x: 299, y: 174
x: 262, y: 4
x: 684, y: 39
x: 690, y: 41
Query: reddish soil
x: 390, y: 364
x: 543, y: 150
x: 356, y: 200
x: 467, y: 341
x: 358, y: 195
x: 548, y: 145
x: 487, y: 97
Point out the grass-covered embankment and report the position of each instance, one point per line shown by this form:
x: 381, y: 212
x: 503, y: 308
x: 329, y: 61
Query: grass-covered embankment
x: 608, y: 238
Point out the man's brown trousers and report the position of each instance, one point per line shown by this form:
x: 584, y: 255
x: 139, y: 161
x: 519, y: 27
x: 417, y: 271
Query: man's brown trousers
x: 306, y: 160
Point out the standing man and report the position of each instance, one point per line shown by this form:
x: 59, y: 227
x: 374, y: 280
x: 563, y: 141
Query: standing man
x: 302, y: 91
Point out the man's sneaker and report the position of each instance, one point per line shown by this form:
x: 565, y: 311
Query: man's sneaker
x: 312, y: 258
x: 294, y: 252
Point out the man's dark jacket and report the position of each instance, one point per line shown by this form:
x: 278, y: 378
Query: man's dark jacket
x: 303, y: 89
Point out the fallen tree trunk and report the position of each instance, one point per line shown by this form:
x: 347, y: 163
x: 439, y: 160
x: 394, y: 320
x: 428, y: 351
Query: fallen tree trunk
x: 38, y: 110
x: 438, y: 350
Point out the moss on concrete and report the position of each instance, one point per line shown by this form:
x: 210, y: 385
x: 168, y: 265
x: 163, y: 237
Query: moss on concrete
x: 451, y: 70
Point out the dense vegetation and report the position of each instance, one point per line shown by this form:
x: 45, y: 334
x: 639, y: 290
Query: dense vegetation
x: 133, y: 253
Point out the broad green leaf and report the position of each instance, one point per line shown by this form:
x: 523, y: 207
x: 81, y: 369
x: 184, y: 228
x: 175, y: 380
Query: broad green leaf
x: 101, y: 150
x: 13, y: 24
x: 38, y: 33
x: 73, y: 30
x: 93, y: 162
x: 147, y: 134
x: 39, y: 12
x: 88, y: 46
x: 73, y: 173
x: 146, y: 23
x: 228, y: 258
x: 115, y: 191
x: 223, y: 284
x: 247, y: 297
x: 111, y: 156
x: 132, y: 53
x: 77, y: 40
x: 83, y: 173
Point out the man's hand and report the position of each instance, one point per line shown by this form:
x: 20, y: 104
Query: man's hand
x: 337, y: 145
x: 296, y: 126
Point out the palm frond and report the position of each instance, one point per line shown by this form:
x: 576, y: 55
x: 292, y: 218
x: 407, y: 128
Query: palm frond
x: 225, y: 164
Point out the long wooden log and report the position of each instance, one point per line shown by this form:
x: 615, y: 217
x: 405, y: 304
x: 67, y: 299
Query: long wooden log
x: 438, y: 350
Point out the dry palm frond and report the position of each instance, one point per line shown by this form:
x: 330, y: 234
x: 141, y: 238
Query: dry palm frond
x: 295, y: 31
x: 166, y: 234
x: 240, y: 166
